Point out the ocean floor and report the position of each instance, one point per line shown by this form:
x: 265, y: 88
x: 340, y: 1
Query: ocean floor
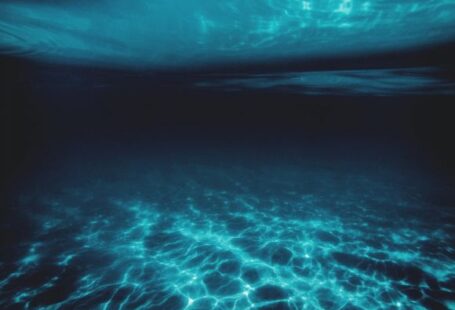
x: 227, y: 234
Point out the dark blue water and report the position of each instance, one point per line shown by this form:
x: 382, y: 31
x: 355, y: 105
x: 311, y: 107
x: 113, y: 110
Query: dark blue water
x: 139, y: 232
x: 227, y: 155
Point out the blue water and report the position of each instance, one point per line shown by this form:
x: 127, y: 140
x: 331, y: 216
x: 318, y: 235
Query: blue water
x: 137, y: 233
x: 193, y: 33
x: 227, y: 154
x: 373, y: 82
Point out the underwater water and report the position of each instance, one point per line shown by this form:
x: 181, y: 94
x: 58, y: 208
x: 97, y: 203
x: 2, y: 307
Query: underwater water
x: 227, y: 202
x: 199, y: 154
x: 172, y: 234
x: 374, y: 82
x: 187, y: 33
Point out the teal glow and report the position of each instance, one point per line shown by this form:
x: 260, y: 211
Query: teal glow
x: 188, y: 33
x: 373, y: 82
x: 204, y: 237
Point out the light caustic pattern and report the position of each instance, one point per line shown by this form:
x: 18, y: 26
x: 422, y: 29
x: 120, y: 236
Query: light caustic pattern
x: 185, y: 33
x: 201, y: 237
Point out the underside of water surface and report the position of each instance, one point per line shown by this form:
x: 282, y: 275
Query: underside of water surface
x: 229, y: 154
x: 188, y: 33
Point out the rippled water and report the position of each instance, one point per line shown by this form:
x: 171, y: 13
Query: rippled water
x: 163, y: 33
x: 373, y: 82
x: 209, y: 154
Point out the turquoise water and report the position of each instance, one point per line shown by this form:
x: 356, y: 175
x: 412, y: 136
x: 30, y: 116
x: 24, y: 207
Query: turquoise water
x: 195, y: 234
x: 164, y: 34
x: 373, y: 82
x: 238, y: 154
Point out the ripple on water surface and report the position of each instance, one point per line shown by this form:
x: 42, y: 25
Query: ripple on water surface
x: 164, y: 34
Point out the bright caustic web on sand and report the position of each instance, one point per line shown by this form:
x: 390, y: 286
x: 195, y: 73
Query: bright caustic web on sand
x: 204, y: 237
